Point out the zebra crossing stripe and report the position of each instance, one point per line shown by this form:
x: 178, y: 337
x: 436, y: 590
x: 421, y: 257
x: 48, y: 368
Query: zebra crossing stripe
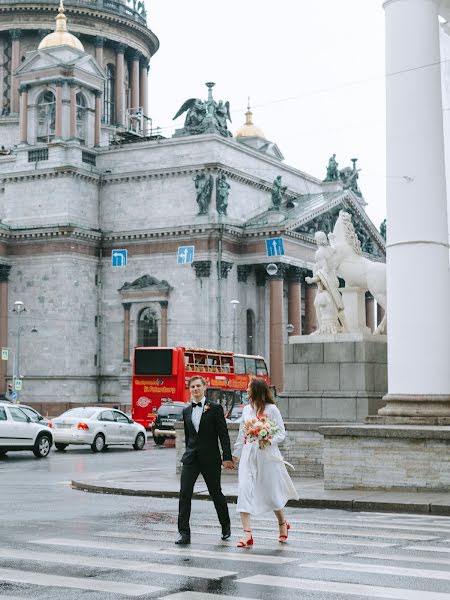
x: 430, y: 548
x: 238, y: 556
x: 202, y: 596
x: 379, y: 569
x: 351, y: 589
x: 96, y: 585
x: 115, y: 563
x: 405, y: 558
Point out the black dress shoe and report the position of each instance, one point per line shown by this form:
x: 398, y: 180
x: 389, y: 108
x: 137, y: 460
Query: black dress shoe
x: 226, y: 533
x: 183, y: 540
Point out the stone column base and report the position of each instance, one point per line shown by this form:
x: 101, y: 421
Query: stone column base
x: 424, y: 409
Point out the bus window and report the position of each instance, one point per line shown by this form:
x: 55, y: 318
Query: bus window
x: 226, y: 364
x: 213, y: 362
x: 239, y: 364
x: 200, y: 362
x: 261, y: 368
x: 189, y: 361
x: 250, y: 366
x: 152, y: 361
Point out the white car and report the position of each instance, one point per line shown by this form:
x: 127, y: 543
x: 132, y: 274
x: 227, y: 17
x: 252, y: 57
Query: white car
x: 98, y: 427
x: 19, y: 432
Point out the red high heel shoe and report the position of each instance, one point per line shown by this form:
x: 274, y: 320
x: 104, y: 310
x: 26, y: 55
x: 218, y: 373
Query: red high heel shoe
x: 249, y: 542
x: 283, y: 538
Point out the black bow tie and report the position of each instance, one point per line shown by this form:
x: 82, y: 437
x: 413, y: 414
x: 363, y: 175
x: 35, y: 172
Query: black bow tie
x: 194, y: 404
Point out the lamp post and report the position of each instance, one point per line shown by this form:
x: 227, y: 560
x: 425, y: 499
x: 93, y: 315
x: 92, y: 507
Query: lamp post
x: 234, y: 303
x: 19, y: 308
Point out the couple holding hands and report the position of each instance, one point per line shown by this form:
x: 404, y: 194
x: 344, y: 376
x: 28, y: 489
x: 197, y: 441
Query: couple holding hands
x: 264, y: 483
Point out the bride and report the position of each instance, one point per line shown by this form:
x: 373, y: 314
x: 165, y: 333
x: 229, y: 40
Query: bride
x: 264, y: 483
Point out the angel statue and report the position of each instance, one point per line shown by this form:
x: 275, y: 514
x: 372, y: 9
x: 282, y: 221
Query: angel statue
x: 204, y: 187
x: 196, y: 113
x: 222, y: 114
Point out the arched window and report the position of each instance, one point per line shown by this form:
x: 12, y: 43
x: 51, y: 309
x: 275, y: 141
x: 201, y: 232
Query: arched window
x: 250, y: 332
x: 81, y: 117
x: 46, y: 116
x: 147, y: 328
x: 108, y: 96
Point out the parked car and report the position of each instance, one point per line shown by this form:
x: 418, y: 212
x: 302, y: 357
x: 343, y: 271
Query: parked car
x: 98, y: 427
x: 34, y: 415
x: 19, y: 432
x: 163, y: 428
x: 234, y: 415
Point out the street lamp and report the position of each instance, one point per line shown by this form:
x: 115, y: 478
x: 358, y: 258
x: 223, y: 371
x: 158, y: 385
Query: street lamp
x: 234, y: 303
x: 19, y: 308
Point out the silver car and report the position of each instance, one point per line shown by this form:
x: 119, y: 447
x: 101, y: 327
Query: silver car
x: 97, y: 427
x: 19, y: 432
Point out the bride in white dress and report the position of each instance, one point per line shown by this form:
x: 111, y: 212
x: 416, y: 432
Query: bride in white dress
x: 264, y: 483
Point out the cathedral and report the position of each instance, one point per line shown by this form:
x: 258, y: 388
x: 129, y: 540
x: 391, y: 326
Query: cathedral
x: 113, y: 236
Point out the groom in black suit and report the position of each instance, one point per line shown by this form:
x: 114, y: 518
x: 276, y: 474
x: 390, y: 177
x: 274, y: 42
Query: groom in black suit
x: 204, y: 426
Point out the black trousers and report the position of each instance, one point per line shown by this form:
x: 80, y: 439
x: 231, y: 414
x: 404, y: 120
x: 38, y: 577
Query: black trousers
x: 211, y: 475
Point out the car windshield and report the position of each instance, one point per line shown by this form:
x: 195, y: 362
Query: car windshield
x: 170, y: 411
x: 79, y: 412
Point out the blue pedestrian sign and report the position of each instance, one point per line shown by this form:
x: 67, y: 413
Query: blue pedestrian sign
x: 13, y: 396
x: 274, y: 247
x: 119, y: 258
x: 185, y: 255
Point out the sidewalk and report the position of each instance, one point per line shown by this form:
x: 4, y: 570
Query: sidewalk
x: 159, y: 483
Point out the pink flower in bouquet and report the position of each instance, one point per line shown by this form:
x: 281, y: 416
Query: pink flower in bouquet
x: 260, y: 430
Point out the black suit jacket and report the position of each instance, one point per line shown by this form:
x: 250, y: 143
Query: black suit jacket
x: 204, y: 445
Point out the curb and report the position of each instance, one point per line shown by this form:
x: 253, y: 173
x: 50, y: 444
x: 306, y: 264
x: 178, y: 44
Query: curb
x: 330, y: 503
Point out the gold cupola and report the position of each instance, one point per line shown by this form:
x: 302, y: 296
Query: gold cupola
x: 61, y: 36
x: 249, y: 129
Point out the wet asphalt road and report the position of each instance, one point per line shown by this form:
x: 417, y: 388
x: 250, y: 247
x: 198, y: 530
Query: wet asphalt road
x: 60, y: 543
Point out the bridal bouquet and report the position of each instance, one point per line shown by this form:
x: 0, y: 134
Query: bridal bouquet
x: 260, y: 430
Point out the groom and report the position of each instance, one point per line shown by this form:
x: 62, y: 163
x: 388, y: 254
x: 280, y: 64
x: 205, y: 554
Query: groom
x: 204, y: 426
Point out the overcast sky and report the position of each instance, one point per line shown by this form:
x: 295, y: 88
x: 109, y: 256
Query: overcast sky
x: 314, y: 71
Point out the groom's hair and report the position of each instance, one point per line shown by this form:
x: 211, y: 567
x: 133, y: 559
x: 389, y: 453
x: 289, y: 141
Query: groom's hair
x: 194, y: 377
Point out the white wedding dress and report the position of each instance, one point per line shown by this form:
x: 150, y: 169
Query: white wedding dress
x: 264, y: 483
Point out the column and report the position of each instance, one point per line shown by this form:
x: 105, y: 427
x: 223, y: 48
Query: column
x: 73, y: 110
x: 126, y: 331
x: 98, y: 118
x: 143, y: 84
x: 15, y: 63
x: 120, y: 91
x: 418, y: 321
x: 164, y: 304
x: 99, y: 45
x: 310, y: 309
x: 295, y: 277
x: 380, y: 313
x: 135, y: 98
x: 4, y: 273
x: 277, y: 327
x: 370, y: 311
x: 59, y: 107
x: 23, y: 128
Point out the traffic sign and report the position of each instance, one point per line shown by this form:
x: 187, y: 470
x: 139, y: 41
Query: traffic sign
x: 274, y: 247
x: 185, y: 255
x: 13, y: 396
x: 119, y: 258
x: 5, y: 353
x: 17, y: 385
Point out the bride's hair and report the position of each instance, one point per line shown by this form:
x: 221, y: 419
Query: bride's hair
x: 260, y: 394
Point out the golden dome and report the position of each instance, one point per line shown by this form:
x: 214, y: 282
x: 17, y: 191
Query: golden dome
x: 248, y: 129
x: 61, y: 37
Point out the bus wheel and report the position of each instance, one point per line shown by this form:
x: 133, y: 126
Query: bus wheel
x: 159, y: 441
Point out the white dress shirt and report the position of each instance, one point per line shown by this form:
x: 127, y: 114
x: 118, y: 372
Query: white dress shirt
x: 197, y: 414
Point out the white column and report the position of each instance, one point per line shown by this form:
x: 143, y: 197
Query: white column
x: 418, y: 286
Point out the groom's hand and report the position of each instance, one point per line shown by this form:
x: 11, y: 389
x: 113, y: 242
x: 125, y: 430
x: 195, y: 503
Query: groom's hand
x: 228, y: 464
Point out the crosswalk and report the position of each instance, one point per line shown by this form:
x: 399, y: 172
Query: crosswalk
x: 330, y: 555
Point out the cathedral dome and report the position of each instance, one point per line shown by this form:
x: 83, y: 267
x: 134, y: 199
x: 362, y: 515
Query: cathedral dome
x: 249, y: 129
x: 61, y: 37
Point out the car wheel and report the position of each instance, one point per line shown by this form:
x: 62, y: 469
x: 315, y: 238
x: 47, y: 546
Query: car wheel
x: 61, y: 447
x: 42, y: 446
x: 159, y: 441
x: 139, y: 442
x: 99, y: 443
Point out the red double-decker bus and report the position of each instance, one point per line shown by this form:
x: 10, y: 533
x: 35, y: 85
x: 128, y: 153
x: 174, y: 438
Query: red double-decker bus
x: 162, y: 374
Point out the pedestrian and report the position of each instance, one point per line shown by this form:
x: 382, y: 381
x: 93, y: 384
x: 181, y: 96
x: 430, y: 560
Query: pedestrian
x: 204, y: 426
x: 264, y: 483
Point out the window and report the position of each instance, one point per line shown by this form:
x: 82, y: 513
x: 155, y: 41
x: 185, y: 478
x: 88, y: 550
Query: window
x: 18, y: 415
x: 239, y: 364
x: 30, y: 413
x: 35, y: 155
x: 261, y: 367
x: 250, y: 332
x: 81, y: 117
x: 250, y: 366
x: 46, y: 105
x: 2, y: 414
x: 108, y: 96
x: 147, y: 328
x: 106, y: 415
x: 120, y: 417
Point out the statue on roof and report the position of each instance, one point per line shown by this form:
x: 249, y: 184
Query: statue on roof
x: 204, y: 116
x: 278, y: 191
x: 332, y: 169
x: 349, y: 177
